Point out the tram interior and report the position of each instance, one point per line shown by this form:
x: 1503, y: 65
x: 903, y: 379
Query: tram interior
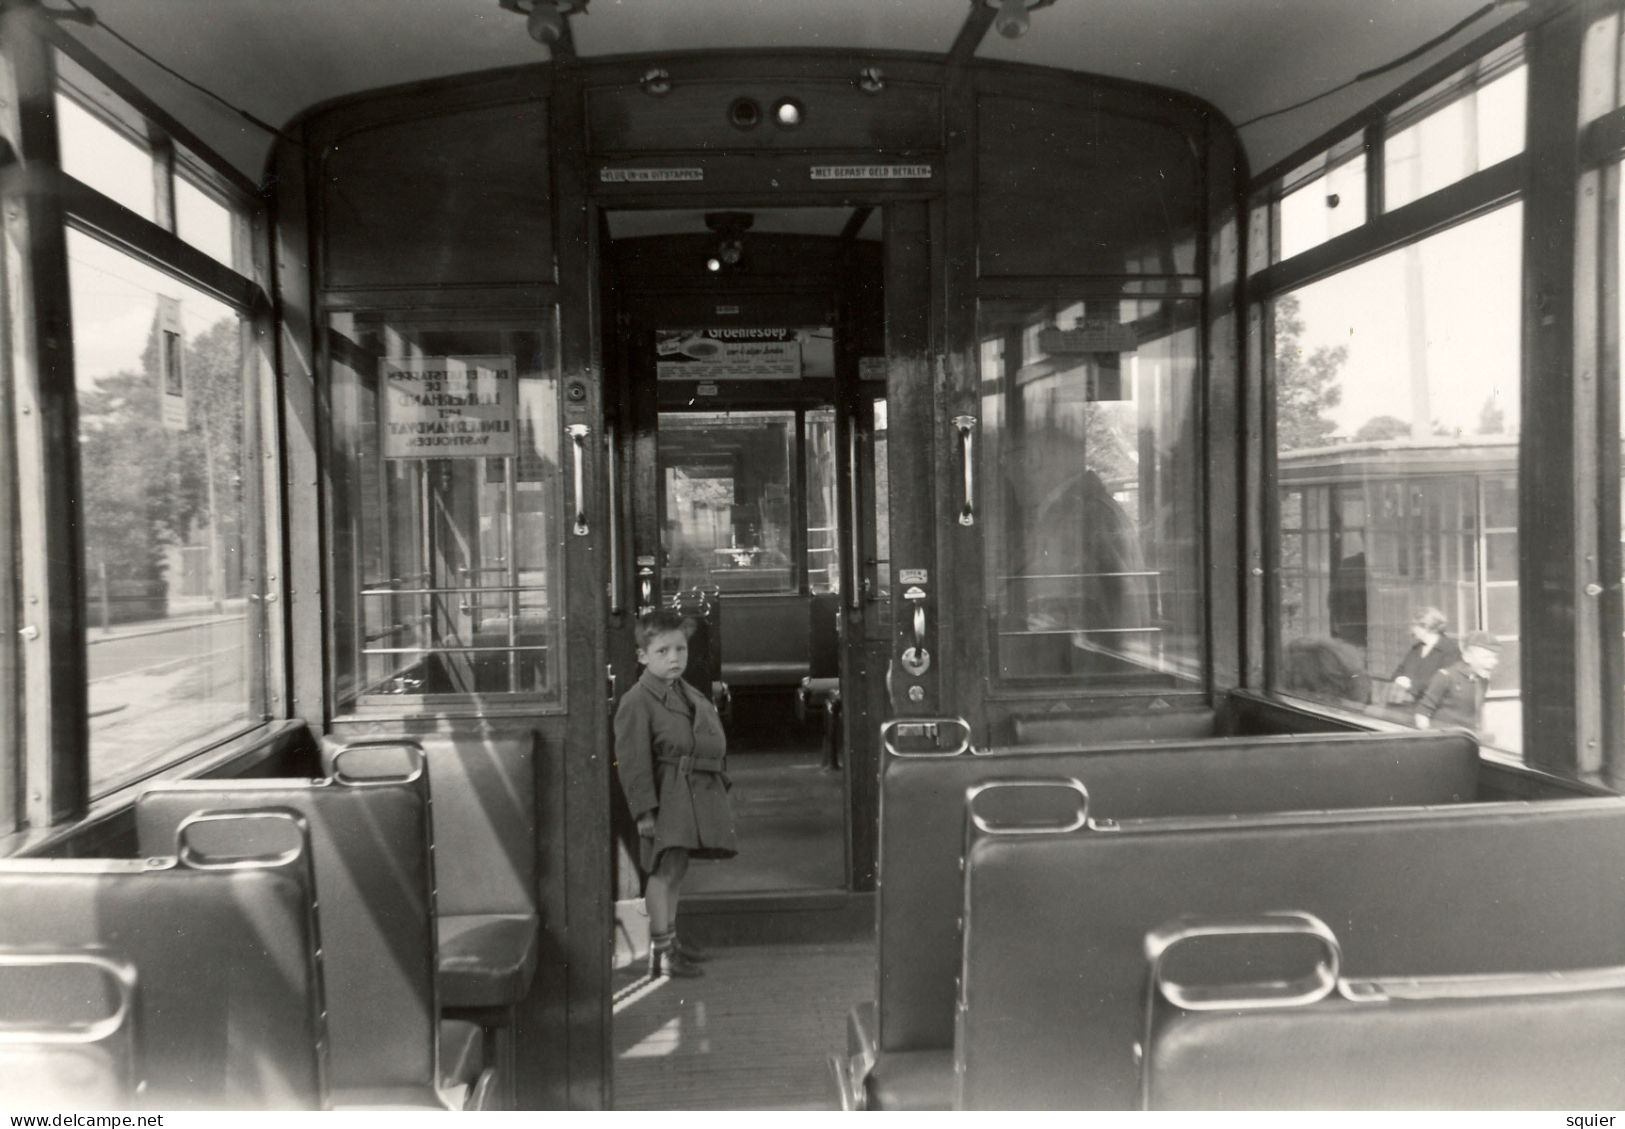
x: 1141, y: 484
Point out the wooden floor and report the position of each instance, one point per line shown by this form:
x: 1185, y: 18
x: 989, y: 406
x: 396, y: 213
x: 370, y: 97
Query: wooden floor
x: 752, y: 1033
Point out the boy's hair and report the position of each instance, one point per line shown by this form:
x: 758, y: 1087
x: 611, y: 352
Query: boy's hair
x: 658, y: 622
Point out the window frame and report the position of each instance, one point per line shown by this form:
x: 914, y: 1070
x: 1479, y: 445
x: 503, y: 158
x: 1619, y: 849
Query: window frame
x: 47, y: 766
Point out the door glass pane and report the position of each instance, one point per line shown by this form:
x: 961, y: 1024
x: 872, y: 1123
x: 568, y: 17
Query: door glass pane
x: 175, y: 644
x: 448, y: 514
x: 729, y: 518
x: 1092, y: 507
x: 1396, y: 408
x: 823, y: 512
x: 882, y: 503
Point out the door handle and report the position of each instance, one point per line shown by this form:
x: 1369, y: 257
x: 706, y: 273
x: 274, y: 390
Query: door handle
x: 578, y: 437
x: 916, y: 659
x: 966, y: 426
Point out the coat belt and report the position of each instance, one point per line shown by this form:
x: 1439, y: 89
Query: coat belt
x: 690, y: 763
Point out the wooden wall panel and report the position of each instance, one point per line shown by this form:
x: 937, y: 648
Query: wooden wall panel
x: 1070, y: 188
x: 447, y: 198
x: 623, y: 119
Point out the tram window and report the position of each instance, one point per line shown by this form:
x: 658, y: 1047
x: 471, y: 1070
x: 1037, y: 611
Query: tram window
x: 204, y: 222
x: 1093, y: 512
x: 175, y: 642
x: 823, y: 512
x: 1396, y: 403
x: 1325, y: 197
x: 1468, y: 123
x: 448, y: 514
x: 109, y: 160
x: 729, y: 517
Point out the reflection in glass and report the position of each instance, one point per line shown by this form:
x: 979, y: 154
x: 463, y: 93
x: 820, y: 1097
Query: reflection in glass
x: 1396, y: 410
x: 729, y: 518
x: 1089, y: 418
x: 450, y: 558
x: 174, y: 633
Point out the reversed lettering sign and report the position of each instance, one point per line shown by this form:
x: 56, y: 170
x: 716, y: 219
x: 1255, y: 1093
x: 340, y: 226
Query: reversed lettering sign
x: 171, y: 365
x: 648, y: 176
x: 449, y: 407
x: 1089, y: 335
x: 872, y: 172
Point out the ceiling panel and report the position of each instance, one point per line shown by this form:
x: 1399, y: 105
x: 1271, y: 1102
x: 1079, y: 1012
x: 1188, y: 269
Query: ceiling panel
x: 619, y: 27
x: 277, y: 58
x: 1247, y: 57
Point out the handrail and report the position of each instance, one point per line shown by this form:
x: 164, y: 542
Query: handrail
x: 1079, y: 820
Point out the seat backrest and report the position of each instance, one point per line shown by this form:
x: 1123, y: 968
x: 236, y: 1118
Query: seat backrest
x: 1526, y: 1041
x: 1053, y: 979
x: 230, y: 985
x: 1247, y: 713
x: 370, y: 845
x: 1077, y: 729
x: 67, y: 1029
x: 483, y: 795
x: 922, y: 826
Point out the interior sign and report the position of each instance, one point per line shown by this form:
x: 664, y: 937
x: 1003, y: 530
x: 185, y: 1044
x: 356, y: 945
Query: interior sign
x: 449, y: 407
x: 871, y: 172
x: 648, y: 176
x: 728, y: 354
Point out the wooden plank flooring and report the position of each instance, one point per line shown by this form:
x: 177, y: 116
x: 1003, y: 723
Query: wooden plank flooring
x: 752, y: 1033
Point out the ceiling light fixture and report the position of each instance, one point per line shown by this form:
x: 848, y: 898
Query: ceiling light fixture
x: 730, y: 228
x: 871, y: 80
x: 1013, y: 20
x: 544, y: 19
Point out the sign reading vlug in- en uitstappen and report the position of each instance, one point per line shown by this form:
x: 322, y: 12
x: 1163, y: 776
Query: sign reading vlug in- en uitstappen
x: 449, y: 407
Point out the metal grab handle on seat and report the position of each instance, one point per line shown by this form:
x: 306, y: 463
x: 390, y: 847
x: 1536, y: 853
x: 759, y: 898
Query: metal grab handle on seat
x: 119, y: 973
x: 1309, y: 988
x: 416, y: 759
x: 1079, y: 820
x: 966, y: 426
x: 890, y: 727
x: 192, y: 857
x: 578, y: 437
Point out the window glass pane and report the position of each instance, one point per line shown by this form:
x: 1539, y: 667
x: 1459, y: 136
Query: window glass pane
x: 1093, y: 500
x: 1396, y: 401
x: 448, y: 515
x: 823, y: 514
x: 105, y: 158
x: 1330, y: 204
x: 203, y: 221
x: 175, y: 642
x: 1470, y: 131
x: 729, y: 517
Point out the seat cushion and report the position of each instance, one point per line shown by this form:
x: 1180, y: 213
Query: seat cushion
x: 486, y: 959
x: 912, y: 1080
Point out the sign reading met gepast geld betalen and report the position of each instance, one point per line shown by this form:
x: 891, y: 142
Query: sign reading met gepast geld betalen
x: 449, y: 407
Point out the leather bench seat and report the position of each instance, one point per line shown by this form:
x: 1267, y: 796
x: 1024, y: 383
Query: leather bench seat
x: 374, y: 867
x: 229, y: 990
x: 922, y: 825
x: 1521, y: 1041
x: 1056, y: 923
x: 487, y: 960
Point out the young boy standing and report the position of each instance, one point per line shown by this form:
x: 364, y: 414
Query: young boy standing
x: 671, y: 755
